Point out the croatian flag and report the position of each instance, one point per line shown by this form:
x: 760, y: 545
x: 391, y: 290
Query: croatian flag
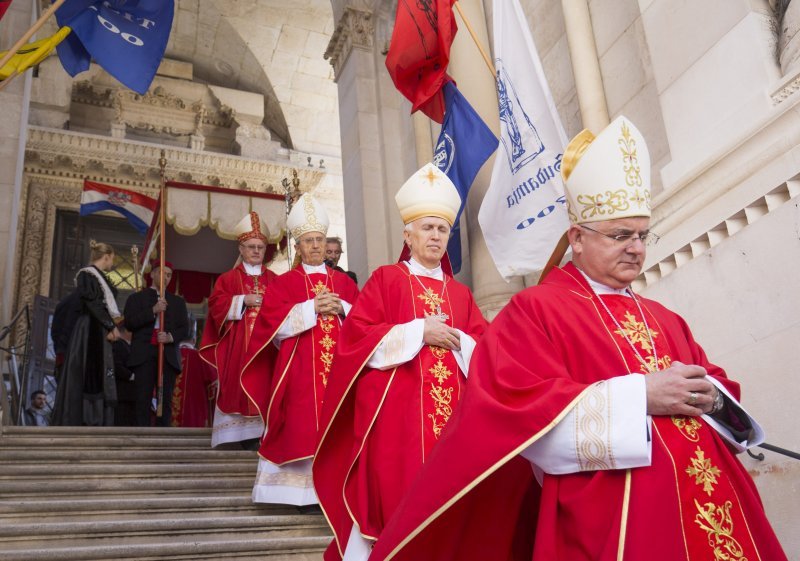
x: 138, y: 209
x: 523, y: 213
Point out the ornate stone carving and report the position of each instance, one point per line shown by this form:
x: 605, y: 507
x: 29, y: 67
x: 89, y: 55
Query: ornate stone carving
x: 37, y: 229
x: 75, y: 156
x: 354, y: 30
x: 158, y: 111
x: 787, y: 89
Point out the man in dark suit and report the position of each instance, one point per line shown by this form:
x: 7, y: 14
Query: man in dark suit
x: 141, y: 318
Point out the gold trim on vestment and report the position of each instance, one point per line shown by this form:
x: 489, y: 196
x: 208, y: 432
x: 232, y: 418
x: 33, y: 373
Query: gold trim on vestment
x: 505, y: 459
x: 623, y: 522
x: 325, y: 433
x: 358, y: 454
x: 677, y: 483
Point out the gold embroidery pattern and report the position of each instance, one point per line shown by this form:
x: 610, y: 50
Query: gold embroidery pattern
x: 703, y: 471
x: 688, y: 427
x: 442, y: 398
x: 438, y: 352
x: 327, y: 343
x: 593, y: 454
x: 641, y: 198
x: 664, y: 362
x: 717, y: 523
x: 636, y: 331
x: 319, y: 288
x: 432, y: 300
x: 630, y: 160
x: 603, y: 203
x: 440, y: 372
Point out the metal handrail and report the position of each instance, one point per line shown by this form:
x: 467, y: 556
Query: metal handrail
x: 15, y: 401
x: 772, y: 448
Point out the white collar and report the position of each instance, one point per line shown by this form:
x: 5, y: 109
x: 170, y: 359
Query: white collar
x: 417, y: 269
x: 311, y: 269
x: 600, y: 288
x: 252, y: 269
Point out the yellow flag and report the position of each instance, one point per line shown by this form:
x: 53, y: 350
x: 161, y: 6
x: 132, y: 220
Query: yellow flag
x: 32, y: 53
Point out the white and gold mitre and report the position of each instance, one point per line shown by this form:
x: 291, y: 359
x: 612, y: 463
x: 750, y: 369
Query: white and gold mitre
x: 608, y: 176
x: 251, y: 227
x: 429, y: 192
x: 307, y: 215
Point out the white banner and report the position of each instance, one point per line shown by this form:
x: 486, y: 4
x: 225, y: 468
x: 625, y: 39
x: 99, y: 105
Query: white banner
x: 523, y: 213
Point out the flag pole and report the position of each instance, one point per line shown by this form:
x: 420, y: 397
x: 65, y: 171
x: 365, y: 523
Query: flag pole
x: 485, y: 56
x: 28, y: 34
x: 162, y: 249
x: 135, y: 255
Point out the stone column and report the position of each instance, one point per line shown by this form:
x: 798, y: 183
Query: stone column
x: 477, y: 83
x: 378, y: 140
x: 585, y: 65
x: 13, y: 126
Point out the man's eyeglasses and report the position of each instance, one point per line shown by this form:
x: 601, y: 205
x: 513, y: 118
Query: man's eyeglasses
x: 647, y: 238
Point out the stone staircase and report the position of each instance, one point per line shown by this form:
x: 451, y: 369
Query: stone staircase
x: 107, y: 493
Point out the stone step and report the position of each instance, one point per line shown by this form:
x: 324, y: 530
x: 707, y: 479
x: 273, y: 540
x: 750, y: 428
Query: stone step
x: 278, y: 549
x: 128, y: 508
x: 13, y: 431
x: 104, y: 533
x: 124, y: 486
x: 50, y: 472
x: 133, y: 442
x: 121, y: 455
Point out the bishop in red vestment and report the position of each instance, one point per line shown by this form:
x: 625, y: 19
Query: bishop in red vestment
x: 195, y: 390
x: 399, y: 373
x: 301, y: 325
x: 630, y: 430
x: 232, y: 310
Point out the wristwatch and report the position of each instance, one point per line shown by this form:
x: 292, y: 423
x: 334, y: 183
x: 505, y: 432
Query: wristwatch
x: 719, y: 403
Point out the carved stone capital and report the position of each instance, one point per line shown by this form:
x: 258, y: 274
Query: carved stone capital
x: 355, y: 29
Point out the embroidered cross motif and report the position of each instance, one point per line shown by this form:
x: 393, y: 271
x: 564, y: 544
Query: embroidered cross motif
x: 636, y: 331
x: 703, y: 471
x: 434, y: 302
x: 440, y: 372
x: 319, y: 288
x: 327, y: 342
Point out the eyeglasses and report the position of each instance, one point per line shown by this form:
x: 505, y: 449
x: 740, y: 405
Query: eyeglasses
x: 647, y: 238
x: 255, y: 247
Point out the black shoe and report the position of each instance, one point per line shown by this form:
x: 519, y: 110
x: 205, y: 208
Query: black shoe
x: 309, y: 509
x: 252, y: 444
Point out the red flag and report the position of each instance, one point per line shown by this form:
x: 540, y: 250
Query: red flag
x: 4, y: 4
x: 420, y: 51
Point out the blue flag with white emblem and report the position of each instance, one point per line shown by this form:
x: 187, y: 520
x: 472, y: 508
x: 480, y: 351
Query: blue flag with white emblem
x: 126, y: 37
x: 464, y: 144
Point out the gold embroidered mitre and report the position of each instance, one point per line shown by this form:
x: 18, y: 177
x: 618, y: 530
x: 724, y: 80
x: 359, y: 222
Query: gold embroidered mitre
x: 608, y: 176
x: 307, y: 215
x: 429, y: 192
x: 250, y: 227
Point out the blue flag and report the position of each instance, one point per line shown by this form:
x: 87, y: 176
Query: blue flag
x: 464, y: 144
x: 126, y: 37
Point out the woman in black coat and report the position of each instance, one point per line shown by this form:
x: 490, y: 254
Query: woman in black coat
x: 86, y: 388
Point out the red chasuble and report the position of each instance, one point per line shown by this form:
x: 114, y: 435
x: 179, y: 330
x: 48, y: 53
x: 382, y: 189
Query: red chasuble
x: 289, y: 389
x: 193, y: 396
x: 224, y: 344
x: 380, y: 426
x: 550, y: 344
